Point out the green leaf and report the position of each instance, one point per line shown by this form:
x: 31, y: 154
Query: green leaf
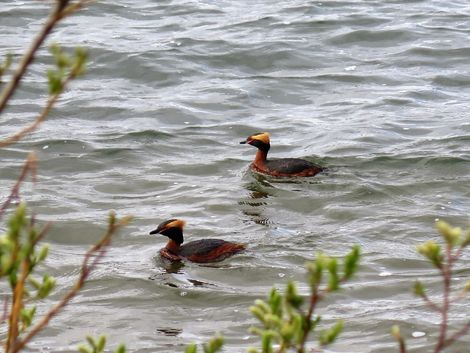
x: 258, y: 313
x: 351, y: 262
x: 256, y: 331
x: 450, y: 234
x: 91, y: 342
x: 35, y: 283
x: 191, y: 348
x: 55, y: 82
x: 120, y: 349
x: 43, y: 253
x: 79, y: 65
x: 287, y: 331
x: 275, y: 302
x: 333, y: 280
x: 272, y: 321
x: 101, y: 343
x: 432, y: 251
x: 5, y: 65
x: 62, y: 60
x: 292, y: 296
x: 314, y: 322
x: 214, y: 344
x: 419, y: 289
x: 315, y: 274
x: 266, y: 345
x: 329, y: 336
x: 27, y: 315
x: 263, y: 306
x: 396, y: 332
x: 48, y: 284
x: 84, y: 349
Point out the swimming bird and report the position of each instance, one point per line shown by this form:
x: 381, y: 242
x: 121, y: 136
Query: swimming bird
x: 283, y: 167
x: 202, y: 251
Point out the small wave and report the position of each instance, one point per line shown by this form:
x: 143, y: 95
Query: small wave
x: 378, y: 38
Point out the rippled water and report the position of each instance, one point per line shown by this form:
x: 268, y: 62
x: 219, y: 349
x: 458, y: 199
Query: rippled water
x: 377, y: 91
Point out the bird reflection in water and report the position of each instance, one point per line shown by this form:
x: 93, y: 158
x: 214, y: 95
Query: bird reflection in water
x: 254, y: 205
x: 172, y: 274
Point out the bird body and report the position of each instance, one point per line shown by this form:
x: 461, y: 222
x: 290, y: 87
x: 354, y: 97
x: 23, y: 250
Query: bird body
x: 282, y: 167
x: 200, y: 251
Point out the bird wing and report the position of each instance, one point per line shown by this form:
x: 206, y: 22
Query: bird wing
x: 200, y: 247
x: 290, y: 165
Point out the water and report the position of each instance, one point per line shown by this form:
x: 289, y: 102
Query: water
x: 377, y: 91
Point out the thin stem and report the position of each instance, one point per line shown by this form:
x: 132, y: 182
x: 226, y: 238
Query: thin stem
x: 29, y: 166
x: 447, y: 274
x: 456, y: 335
x: 401, y: 343
x: 19, y: 290
x: 96, y: 252
x: 17, y: 305
x: 314, y: 299
x: 5, y: 310
x: 430, y: 303
x: 45, y: 112
x: 28, y: 58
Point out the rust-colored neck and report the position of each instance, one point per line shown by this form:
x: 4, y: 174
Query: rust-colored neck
x: 260, y: 158
x: 173, y: 246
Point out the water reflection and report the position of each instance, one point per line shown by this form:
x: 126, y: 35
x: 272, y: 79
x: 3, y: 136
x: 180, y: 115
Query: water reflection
x: 255, y: 204
x: 172, y: 332
x: 172, y: 274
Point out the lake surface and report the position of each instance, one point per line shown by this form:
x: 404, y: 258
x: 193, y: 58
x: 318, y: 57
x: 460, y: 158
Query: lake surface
x: 377, y: 91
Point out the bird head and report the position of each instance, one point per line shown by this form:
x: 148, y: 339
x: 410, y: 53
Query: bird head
x: 173, y: 229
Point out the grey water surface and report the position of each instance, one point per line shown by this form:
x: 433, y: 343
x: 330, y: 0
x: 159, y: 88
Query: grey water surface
x: 377, y: 91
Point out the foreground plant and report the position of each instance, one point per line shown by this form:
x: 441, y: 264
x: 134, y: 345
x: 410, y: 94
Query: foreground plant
x: 97, y: 345
x: 442, y: 257
x: 20, y: 255
x: 213, y: 346
x: 285, y: 323
x: 20, y: 249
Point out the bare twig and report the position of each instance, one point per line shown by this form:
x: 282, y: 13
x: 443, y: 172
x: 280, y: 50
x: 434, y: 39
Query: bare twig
x: 5, y: 310
x: 402, y: 345
x: 45, y: 112
x: 61, y: 11
x: 447, y: 276
x: 430, y: 303
x: 456, y: 335
x: 70, y: 9
x: 29, y: 166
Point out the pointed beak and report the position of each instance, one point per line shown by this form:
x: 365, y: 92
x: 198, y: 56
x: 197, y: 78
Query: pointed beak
x: 242, y: 142
x: 156, y: 231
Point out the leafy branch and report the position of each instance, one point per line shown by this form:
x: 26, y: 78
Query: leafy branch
x: 443, y: 258
x: 213, y: 346
x: 97, y: 345
x: 62, y: 9
x: 18, y: 259
x: 283, y: 319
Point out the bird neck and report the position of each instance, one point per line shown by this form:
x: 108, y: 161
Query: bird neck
x: 173, y: 246
x: 260, y: 157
